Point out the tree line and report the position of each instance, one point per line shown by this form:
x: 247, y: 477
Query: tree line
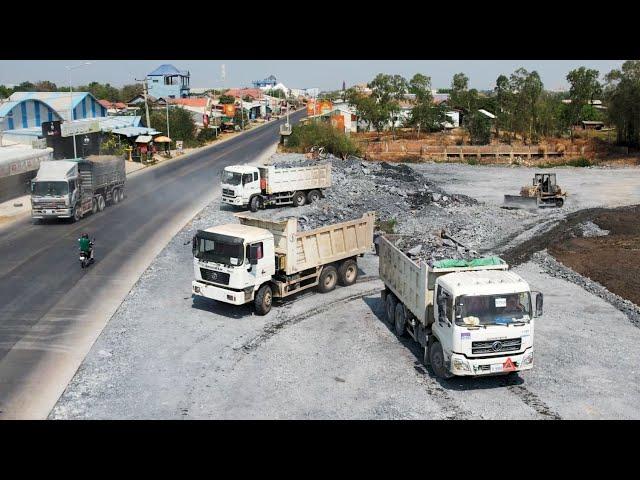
x: 100, y: 91
x: 522, y: 107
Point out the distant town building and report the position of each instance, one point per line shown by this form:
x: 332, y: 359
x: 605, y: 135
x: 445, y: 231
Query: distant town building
x: 268, y: 82
x: 167, y: 81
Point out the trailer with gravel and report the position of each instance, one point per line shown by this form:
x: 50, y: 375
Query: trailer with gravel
x: 258, y: 187
x: 259, y: 260
x: 472, y: 317
x: 73, y: 188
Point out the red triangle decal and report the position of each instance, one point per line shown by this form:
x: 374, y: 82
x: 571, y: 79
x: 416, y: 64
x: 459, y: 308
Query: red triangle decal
x: 508, y: 366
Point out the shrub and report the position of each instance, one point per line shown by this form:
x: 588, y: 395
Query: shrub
x: 472, y: 161
x: 579, y: 162
x: 386, y: 226
x: 303, y: 137
x: 206, y: 135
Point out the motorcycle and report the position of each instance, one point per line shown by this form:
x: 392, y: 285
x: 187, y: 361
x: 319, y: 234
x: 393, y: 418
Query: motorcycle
x: 85, y: 258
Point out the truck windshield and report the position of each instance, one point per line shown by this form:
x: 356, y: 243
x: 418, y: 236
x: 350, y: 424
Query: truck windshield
x: 231, y: 178
x: 219, y: 252
x: 493, y: 309
x: 50, y: 189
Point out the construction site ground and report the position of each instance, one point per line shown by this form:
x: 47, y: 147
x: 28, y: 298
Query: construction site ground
x: 165, y: 354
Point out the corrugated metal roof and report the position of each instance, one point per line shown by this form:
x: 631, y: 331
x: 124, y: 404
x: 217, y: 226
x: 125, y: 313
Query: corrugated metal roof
x: 134, y: 131
x: 167, y: 69
x: 58, y: 101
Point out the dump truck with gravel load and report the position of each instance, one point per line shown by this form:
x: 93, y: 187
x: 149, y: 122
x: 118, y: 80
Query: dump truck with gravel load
x: 259, y: 260
x: 472, y: 317
x: 73, y: 188
x: 258, y: 187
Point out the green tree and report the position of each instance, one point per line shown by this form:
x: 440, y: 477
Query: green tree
x: 387, y: 91
x: 5, y: 92
x: 526, y: 88
x: 181, y: 124
x: 479, y: 127
x: 45, y: 86
x: 227, y: 99
x: 25, y: 87
x: 622, y: 94
x: 584, y: 88
x: 131, y: 91
x: 420, y: 86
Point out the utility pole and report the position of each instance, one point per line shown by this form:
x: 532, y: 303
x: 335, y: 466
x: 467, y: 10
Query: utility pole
x: 146, y: 103
x: 75, y: 148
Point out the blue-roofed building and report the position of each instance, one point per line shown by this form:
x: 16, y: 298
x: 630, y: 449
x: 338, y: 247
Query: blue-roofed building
x: 268, y: 82
x: 167, y: 81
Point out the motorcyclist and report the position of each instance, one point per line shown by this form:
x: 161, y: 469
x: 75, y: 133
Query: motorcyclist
x: 86, y: 245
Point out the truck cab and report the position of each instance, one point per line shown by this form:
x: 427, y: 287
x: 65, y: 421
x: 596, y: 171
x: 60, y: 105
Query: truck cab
x: 55, y: 189
x: 239, y: 184
x: 231, y: 262
x: 483, y: 318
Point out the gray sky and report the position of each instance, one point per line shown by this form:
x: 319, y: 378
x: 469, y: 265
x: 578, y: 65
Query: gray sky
x: 324, y: 74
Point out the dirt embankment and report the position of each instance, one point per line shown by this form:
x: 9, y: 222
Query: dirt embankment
x: 612, y: 259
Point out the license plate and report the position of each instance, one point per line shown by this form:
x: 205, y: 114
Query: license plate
x: 498, y: 367
x: 50, y: 211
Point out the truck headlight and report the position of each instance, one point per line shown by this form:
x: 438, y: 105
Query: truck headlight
x: 459, y: 364
x: 527, y: 359
x: 196, y: 289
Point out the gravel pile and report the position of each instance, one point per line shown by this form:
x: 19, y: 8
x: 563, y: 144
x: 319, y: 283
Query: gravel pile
x: 590, y: 229
x: 406, y: 202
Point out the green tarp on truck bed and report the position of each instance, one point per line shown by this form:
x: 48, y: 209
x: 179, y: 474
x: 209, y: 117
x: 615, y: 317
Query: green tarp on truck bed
x: 476, y: 262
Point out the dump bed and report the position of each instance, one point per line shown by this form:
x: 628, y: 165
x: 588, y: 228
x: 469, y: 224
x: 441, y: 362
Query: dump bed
x: 303, y: 250
x: 413, y: 284
x: 289, y: 179
x: 101, y: 170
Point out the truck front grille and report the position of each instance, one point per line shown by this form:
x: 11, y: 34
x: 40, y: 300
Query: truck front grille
x: 496, y: 346
x: 49, y: 205
x: 227, y: 192
x: 214, y: 277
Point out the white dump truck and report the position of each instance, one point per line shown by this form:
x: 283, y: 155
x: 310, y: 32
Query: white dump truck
x: 259, y: 260
x: 73, y: 188
x: 471, y: 317
x: 258, y: 187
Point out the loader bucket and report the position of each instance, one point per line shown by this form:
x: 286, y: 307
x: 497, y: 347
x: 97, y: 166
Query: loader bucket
x: 517, y: 201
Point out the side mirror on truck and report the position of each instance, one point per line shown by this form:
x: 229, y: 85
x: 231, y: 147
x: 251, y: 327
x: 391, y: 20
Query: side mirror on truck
x: 194, y: 245
x: 539, y: 301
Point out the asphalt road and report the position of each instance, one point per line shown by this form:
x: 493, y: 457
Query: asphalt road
x: 51, y: 311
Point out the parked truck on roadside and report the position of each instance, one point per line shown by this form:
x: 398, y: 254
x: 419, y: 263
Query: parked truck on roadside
x: 471, y: 317
x: 259, y: 260
x: 73, y: 188
x: 258, y: 187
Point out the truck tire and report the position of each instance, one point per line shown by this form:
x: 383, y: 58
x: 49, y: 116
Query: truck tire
x: 94, y: 205
x: 76, y: 215
x: 328, y: 279
x: 313, y: 196
x: 436, y: 358
x: 390, y: 307
x: 559, y: 202
x: 254, y: 203
x: 121, y: 194
x: 299, y: 199
x: 115, y: 196
x: 348, y: 273
x: 101, y: 205
x: 263, y: 300
x: 400, y: 320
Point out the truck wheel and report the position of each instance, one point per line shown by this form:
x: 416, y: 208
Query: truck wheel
x: 390, y: 305
x: 94, y: 205
x: 100, y: 203
x: 254, y: 204
x: 400, y: 322
x: 120, y: 194
x: 76, y: 215
x: 328, y: 279
x: 263, y: 300
x: 299, y: 199
x: 436, y: 358
x: 559, y: 202
x: 115, y: 196
x: 313, y: 196
x: 348, y: 273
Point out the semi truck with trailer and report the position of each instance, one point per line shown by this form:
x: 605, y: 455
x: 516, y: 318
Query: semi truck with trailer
x: 74, y: 188
x: 472, y: 318
x: 258, y: 187
x: 259, y: 260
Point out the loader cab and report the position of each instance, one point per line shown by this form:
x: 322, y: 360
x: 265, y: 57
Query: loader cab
x: 547, y: 182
